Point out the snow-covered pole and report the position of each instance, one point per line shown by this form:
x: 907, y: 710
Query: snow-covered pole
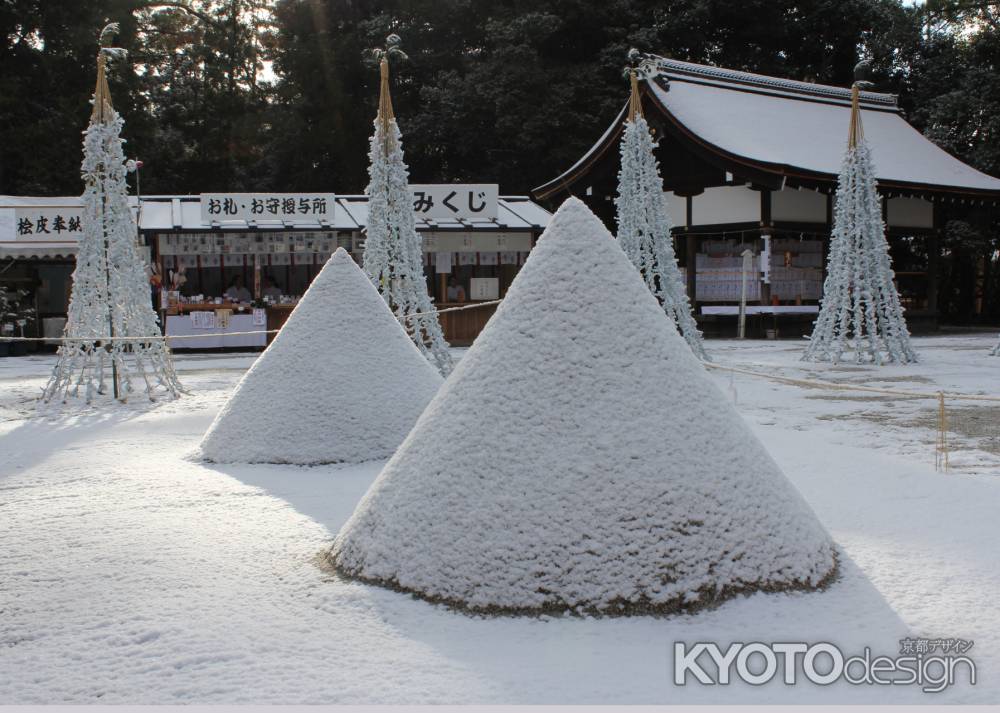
x: 644, y: 226
x: 995, y: 351
x: 100, y: 115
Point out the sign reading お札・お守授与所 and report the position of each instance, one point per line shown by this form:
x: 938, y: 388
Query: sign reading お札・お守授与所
x: 283, y: 207
x: 455, y: 201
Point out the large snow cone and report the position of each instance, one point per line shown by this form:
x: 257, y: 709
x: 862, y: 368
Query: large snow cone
x: 579, y: 457
x: 341, y: 383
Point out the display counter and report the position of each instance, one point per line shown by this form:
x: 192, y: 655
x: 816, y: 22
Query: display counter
x: 224, y: 321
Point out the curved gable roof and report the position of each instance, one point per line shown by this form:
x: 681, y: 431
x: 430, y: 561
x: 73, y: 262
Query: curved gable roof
x: 791, y: 128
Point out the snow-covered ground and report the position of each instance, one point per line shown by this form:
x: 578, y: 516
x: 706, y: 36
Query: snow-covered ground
x: 129, y: 573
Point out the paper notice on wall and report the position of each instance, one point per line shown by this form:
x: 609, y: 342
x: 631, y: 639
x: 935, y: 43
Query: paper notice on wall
x: 508, y: 258
x: 442, y: 263
x: 489, y: 258
x: 222, y: 318
x: 466, y: 258
x: 203, y: 320
x: 259, y: 318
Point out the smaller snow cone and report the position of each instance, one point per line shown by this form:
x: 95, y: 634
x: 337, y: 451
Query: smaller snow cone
x: 341, y: 383
x: 580, y: 458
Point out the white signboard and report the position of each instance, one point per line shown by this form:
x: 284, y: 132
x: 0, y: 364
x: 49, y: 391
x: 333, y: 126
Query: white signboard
x: 484, y: 288
x: 465, y: 201
x: 48, y: 223
x: 442, y: 263
x: 479, y: 241
x: 287, y: 207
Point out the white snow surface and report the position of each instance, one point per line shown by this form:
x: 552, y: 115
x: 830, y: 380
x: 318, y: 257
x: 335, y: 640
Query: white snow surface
x: 570, y: 461
x: 129, y: 574
x: 341, y: 382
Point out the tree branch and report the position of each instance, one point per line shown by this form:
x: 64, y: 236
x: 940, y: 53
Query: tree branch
x: 177, y: 4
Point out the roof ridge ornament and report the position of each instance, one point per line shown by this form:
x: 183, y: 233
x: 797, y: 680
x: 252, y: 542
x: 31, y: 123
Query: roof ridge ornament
x: 664, y: 65
x: 641, y: 65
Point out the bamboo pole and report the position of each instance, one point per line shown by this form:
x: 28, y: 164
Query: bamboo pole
x: 385, y: 113
x: 856, y: 132
x: 634, y: 102
x: 102, y: 114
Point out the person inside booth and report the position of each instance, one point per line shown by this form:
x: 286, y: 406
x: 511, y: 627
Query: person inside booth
x: 237, y: 291
x: 456, y: 293
x: 271, y: 288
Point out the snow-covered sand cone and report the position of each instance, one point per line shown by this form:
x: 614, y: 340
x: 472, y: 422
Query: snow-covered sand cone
x: 341, y: 383
x: 579, y: 457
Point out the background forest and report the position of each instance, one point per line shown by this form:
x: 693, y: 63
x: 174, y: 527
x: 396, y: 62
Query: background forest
x: 277, y: 95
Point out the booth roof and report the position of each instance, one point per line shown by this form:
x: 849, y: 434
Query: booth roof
x: 790, y: 128
x: 39, y: 249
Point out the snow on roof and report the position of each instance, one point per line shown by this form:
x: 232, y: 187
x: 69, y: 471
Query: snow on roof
x: 792, y: 128
x: 797, y: 135
x: 342, y: 381
x: 580, y: 457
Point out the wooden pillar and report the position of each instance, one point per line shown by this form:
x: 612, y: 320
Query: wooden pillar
x: 933, y: 265
x: 256, y: 276
x: 690, y: 251
x: 765, y: 287
x: 442, y: 287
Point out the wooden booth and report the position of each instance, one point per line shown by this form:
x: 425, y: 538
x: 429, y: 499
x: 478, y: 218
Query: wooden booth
x: 751, y: 162
x: 248, y: 257
x: 239, y: 262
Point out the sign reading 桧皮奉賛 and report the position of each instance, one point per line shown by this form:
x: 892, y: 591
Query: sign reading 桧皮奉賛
x: 284, y: 207
x: 47, y: 223
x: 456, y: 201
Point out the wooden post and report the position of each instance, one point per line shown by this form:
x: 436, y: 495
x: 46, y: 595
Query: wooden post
x: 933, y: 258
x: 765, y: 287
x: 256, y: 276
x: 690, y: 252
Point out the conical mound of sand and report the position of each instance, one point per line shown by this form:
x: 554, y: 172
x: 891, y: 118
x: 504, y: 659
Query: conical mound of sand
x: 341, y: 383
x: 579, y: 457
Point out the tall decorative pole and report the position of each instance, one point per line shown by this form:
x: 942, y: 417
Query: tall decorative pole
x: 111, y: 325
x: 644, y: 223
x: 393, y: 257
x: 860, y: 315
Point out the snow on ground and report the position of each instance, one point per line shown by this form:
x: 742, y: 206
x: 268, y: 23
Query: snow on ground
x: 131, y: 574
